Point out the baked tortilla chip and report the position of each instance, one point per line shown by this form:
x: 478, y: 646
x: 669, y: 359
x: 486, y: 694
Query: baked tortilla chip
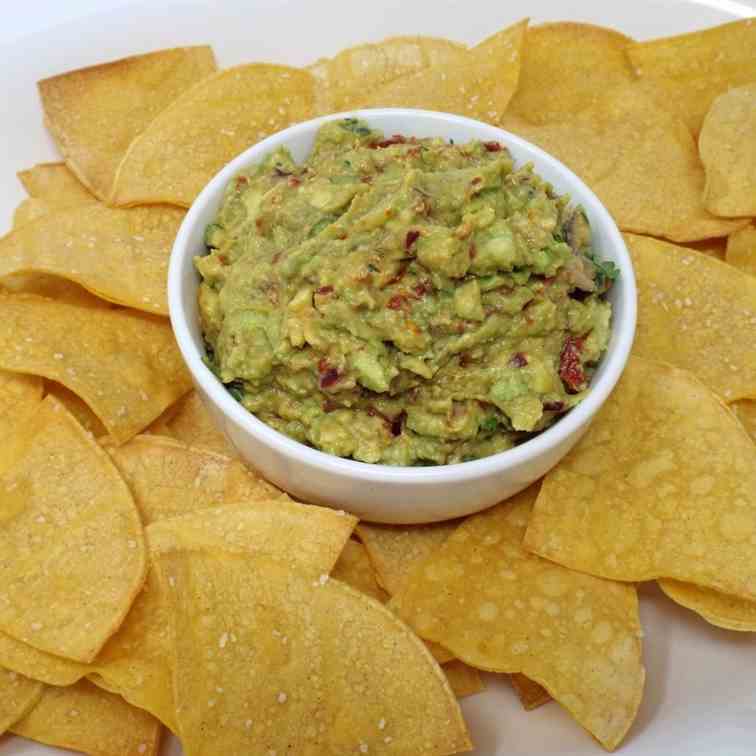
x: 95, y: 113
x: 125, y: 365
x: 119, y: 255
x: 696, y: 313
x: 741, y: 249
x: 18, y: 695
x: 727, y: 144
x: 496, y: 607
x: 689, y: 70
x: 719, y: 609
x: 30, y: 210
x: 661, y: 485
x: 745, y: 410
x: 463, y: 680
x: 85, y: 718
x: 190, y: 141
x: 530, y: 693
x: 480, y: 86
x: 78, y: 408
x: 20, y: 395
x: 354, y: 568
x: 565, y: 69
x: 52, y: 287
x: 55, y: 183
x: 641, y: 161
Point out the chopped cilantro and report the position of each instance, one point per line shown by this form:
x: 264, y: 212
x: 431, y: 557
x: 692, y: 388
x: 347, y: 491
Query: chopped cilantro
x: 606, y: 271
x: 490, y: 424
x: 355, y: 126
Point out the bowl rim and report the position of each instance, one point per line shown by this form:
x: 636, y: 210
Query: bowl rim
x: 613, y: 360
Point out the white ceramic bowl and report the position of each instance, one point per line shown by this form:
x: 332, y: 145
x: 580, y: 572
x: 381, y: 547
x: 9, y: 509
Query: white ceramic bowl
x: 379, y: 492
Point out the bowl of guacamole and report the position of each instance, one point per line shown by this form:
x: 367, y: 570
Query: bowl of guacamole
x: 404, y: 300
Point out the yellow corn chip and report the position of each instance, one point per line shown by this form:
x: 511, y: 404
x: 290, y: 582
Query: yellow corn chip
x: 64, y: 504
x: 696, y: 313
x: 463, y: 680
x: 20, y: 395
x: 39, y: 665
x: 660, y: 486
x: 741, y: 249
x: 95, y: 113
x: 728, y: 150
x: 84, y: 718
x: 480, y: 86
x: 689, y: 70
x: 719, y: 609
x: 354, y: 568
x: 18, y: 695
x: 711, y: 247
x: 192, y: 139
x: 499, y: 608
x: 641, y: 161
x: 55, y: 183
x: 52, y: 287
x: 530, y: 693
x: 79, y: 409
x: 745, y: 410
x: 119, y: 255
x: 123, y: 364
x: 30, y: 210
x: 565, y: 69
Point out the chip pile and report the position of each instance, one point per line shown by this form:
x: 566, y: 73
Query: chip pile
x: 152, y: 581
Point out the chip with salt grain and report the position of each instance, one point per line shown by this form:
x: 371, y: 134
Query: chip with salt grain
x: 531, y: 694
x: 344, y: 79
x: 120, y: 255
x: 54, y: 182
x: 30, y: 210
x: 19, y: 395
x: 745, y: 411
x: 84, y: 718
x: 266, y: 658
x: 661, y: 485
x: 718, y: 609
x: 727, y: 144
x: 464, y: 680
x: 586, y: 60
x: 94, y: 113
x: 52, y: 287
x: 641, y: 161
x: 480, y: 86
x: 64, y: 503
x: 18, y: 694
x: 741, y: 249
x: 696, y: 313
x: 499, y: 608
x: 192, y: 139
x: 688, y: 71
x: 78, y: 408
x: 354, y: 568
x: 125, y: 365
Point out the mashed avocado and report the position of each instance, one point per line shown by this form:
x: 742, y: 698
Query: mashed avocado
x: 402, y: 301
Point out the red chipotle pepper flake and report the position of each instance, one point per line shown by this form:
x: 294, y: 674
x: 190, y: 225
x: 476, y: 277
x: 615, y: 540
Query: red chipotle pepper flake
x: 398, y: 423
x: 422, y: 288
x: 492, y: 146
x: 329, y: 377
x: 570, y: 368
x: 294, y: 182
x: 396, y: 302
x: 324, y: 290
x: 395, y: 139
x: 411, y: 238
x: 518, y: 360
x: 553, y: 406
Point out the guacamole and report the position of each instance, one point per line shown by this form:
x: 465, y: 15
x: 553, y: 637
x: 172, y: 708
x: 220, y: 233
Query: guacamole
x: 402, y: 301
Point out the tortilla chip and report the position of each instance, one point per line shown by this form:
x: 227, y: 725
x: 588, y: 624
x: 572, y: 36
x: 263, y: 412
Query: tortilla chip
x: 668, y: 495
x: 689, y: 70
x: 480, y: 86
x: 741, y: 249
x: 20, y: 395
x: 565, y: 68
x: 344, y: 79
x: 79, y: 409
x: 30, y: 210
x: 728, y: 151
x: 52, y: 287
x: 696, y: 313
x: 282, y: 664
x: 463, y: 680
x: 125, y: 365
x: 189, y: 421
x: 718, y: 609
x: 84, y: 718
x: 95, y: 113
x: 18, y: 695
x: 499, y: 608
x: 63, y: 503
x: 54, y: 182
x: 118, y: 255
x: 641, y: 161
x: 354, y: 568
x: 745, y: 411
x: 168, y: 478
x: 530, y: 693
x: 190, y: 141
x: 39, y: 665
x: 711, y: 247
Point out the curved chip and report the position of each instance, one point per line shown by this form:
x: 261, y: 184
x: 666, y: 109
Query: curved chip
x: 94, y: 113
x: 718, y: 609
x: 745, y: 411
x: 18, y: 694
x: 696, y: 313
x: 463, y: 680
x: 741, y: 249
x: 51, y: 287
x: 119, y: 255
x: 56, y: 183
x: 20, y: 395
x: 191, y: 140
x: 124, y: 365
x: 63, y: 503
x: 531, y: 694
x: 661, y: 485
x: 496, y: 607
x: 354, y: 568
x: 78, y: 408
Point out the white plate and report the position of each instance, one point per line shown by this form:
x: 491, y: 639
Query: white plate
x: 701, y: 688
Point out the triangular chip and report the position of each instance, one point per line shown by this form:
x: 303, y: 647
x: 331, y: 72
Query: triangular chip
x: 85, y: 718
x: 745, y: 410
x: 119, y: 255
x: 697, y: 313
x: 95, y: 113
x: 741, y: 249
x: 30, y: 210
x: 641, y: 161
x: 78, y: 408
x: 124, y: 365
x: 72, y: 542
x: 54, y: 182
x: 190, y: 141
x: 19, y: 395
x: 479, y: 86
x: 496, y: 607
x: 354, y: 568
x: 719, y: 609
x: 18, y: 695
x: 463, y: 680
x: 39, y: 665
x: 566, y: 67
x: 51, y: 287
x: 661, y: 485
x: 531, y: 694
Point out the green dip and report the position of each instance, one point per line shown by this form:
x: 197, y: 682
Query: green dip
x: 402, y: 301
